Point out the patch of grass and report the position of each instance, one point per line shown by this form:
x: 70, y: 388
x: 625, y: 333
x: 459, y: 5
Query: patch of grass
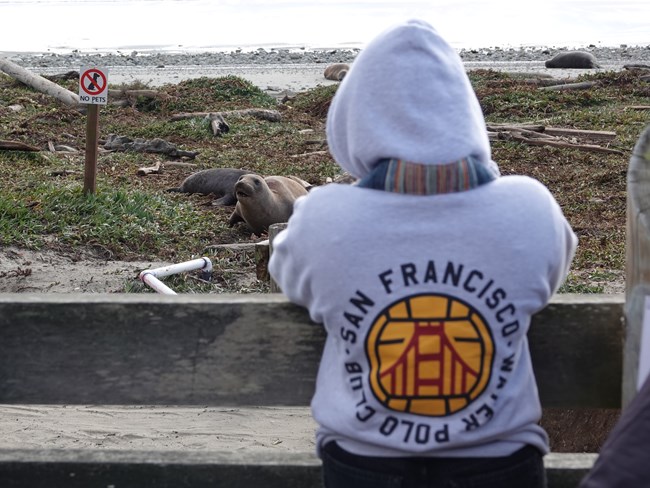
x: 216, y: 95
x: 315, y: 102
x: 125, y: 223
x: 571, y: 286
x: 194, y: 129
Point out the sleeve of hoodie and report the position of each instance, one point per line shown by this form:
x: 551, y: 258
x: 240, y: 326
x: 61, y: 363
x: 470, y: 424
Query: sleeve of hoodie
x: 289, y: 264
x: 565, y: 247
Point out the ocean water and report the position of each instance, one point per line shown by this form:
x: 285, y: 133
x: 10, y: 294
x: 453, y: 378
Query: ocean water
x: 203, y: 25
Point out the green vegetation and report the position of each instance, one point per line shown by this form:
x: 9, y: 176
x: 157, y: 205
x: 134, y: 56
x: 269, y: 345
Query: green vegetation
x: 133, y: 217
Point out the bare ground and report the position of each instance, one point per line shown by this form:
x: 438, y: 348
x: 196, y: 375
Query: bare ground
x: 50, y: 271
x: 46, y: 271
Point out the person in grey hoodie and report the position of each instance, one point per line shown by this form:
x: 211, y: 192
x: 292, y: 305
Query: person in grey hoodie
x: 425, y: 275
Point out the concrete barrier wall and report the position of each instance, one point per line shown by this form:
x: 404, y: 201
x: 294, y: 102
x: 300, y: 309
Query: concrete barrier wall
x: 248, y: 350
x: 248, y: 357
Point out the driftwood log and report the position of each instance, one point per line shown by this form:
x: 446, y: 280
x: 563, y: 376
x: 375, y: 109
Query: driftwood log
x: 637, y: 66
x: 602, y: 135
x: 570, y: 86
x: 150, y: 170
x: 312, y: 153
x: 237, y: 246
x: 539, y: 135
x: 16, y: 146
x: 543, y: 81
x: 39, y: 83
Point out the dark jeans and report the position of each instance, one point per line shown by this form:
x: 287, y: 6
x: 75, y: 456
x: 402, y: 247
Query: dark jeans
x: 523, y: 469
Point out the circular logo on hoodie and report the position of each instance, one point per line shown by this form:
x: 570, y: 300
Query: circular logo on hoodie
x: 429, y: 355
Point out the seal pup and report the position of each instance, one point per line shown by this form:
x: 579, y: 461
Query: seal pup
x: 218, y: 181
x: 337, y: 71
x: 265, y: 201
x: 572, y: 59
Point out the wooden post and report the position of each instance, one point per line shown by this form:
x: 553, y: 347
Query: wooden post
x: 637, y: 260
x: 92, y: 133
x: 274, y: 230
x: 262, y: 255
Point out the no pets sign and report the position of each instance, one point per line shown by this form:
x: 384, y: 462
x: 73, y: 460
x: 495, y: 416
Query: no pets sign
x: 93, y: 86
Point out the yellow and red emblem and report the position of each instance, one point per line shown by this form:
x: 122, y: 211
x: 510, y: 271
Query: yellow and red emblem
x: 429, y: 355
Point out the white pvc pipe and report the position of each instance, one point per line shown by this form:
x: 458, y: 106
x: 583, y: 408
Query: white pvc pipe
x: 149, y: 279
x: 150, y: 276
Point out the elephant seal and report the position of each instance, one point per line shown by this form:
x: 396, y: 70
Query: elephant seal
x: 265, y: 201
x: 218, y: 181
x: 572, y: 59
x: 337, y: 71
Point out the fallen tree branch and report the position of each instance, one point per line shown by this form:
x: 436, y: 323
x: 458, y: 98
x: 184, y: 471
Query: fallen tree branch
x: 39, y: 83
x: 570, y: 86
x: 539, y: 135
x: 499, y: 127
x: 558, y: 143
x: 313, y: 153
x: 17, y: 146
x: 149, y: 170
x: 636, y: 66
x: 244, y: 246
x: 591, y: 134
x: 543, y: 81
x: 554, y: 131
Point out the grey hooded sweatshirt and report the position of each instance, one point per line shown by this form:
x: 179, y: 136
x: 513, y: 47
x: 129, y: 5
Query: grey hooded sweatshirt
x: 425, y: 282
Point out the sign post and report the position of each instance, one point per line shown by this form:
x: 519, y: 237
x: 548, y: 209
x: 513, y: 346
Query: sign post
x: 93, y: 91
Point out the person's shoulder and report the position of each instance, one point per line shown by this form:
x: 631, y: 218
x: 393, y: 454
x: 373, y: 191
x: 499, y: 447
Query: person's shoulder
x: 523, y: 186
x: 527, y: 197
x: 319, y: 195
x: 322, y: 205
x: 520, y: 181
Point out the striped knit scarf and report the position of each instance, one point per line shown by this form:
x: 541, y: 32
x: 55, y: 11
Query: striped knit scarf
x: 400, y: 176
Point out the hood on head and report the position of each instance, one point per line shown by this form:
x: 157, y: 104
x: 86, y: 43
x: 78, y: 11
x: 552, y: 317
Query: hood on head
x: 406, y: 97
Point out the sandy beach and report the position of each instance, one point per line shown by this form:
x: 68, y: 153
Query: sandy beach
x: 276, y: 70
